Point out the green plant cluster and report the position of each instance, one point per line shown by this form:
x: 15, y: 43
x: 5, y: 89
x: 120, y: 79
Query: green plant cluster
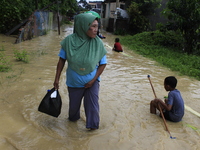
x: 120, y: 32
x: 5, y: 64
x: 168, y: 39
x: 21, y: 56
x: 166, y: 54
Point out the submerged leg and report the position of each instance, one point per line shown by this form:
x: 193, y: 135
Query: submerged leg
x: 75, y: 98
x: 91, y: 105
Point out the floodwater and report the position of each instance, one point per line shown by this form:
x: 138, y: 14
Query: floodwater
x: 125, y: 94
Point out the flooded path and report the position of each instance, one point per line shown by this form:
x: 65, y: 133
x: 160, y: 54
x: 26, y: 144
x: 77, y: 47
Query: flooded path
x: 125, y: 94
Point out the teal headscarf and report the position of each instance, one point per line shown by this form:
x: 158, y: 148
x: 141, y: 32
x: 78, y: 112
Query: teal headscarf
x: 83, y: 53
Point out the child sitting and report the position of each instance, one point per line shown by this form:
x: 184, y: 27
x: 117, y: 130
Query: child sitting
x: 173, y: 107
x: 117, y: 46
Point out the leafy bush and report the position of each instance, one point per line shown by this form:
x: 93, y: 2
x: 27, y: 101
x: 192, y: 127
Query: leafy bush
x: 5, y: 64
x: 168, y: 39
x: 184, y: 15
x: 21, y: 56
x: 138, y: 11
x: 2, y: 49
x: 155, y: 47
x: 137, y: 22
x: 120, y: 32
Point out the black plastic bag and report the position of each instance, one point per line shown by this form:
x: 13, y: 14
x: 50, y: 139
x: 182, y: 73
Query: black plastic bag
x: 51, y: 106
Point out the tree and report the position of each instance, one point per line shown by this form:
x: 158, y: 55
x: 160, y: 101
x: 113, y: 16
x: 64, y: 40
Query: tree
x: 14, y: 12
x: 147, y: 7
x: 137, y: 21
x: 184, y: 15
x: 138, y: 11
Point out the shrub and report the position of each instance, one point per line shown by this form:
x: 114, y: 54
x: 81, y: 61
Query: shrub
x: 166, y: 50
x: 5, y: 64
x: 21, y: 56
x: 2, y: 49
x: 120, y: 32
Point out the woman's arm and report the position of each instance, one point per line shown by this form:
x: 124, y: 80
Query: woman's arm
x: 59, y: 69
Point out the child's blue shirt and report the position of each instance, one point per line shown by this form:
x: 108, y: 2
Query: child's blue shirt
x: 175, y: 99
x: 76, y: 80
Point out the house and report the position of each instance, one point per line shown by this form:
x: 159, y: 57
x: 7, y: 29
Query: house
x: 112, y: 15
x: 96, y: 6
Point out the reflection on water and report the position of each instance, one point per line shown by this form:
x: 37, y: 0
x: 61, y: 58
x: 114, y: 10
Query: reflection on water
x: 124, y: 103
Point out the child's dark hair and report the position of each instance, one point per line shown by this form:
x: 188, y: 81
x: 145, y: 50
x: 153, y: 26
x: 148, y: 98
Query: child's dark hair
x: 117, y: 40
x: 171, y: 81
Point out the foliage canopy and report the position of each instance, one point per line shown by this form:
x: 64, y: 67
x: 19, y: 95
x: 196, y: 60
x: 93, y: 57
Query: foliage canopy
x: 138, y: 11
x: 184, y: 16
x: 14, y: 12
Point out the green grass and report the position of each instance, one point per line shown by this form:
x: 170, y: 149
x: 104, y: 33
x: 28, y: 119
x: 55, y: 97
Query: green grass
x: 21, y: 56
x: 2, y: 48
x: 5, y: 64
x: 166, y: 49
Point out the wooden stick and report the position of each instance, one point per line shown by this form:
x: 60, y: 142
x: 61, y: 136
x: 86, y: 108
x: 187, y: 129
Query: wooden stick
x: 152, y: 86
x: 160, y: 109
x: 164, y: 121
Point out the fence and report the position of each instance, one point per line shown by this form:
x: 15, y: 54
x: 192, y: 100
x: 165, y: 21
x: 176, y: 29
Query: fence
x: 38, y: 24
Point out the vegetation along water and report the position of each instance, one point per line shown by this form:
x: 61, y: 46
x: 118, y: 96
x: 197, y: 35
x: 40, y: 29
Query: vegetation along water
x: 164, y: 49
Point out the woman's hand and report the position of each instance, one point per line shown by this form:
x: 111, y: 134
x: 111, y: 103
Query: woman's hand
x: 56, y: 85
x: 99, y: 71
x: 89, y: 84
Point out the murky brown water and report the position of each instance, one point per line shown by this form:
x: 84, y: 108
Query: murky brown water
x: 125, y: 93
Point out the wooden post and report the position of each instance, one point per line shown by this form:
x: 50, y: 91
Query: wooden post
x: 58, y: 24
x: 36, y: 4
x: 58, y: 18
x: 115, y: 18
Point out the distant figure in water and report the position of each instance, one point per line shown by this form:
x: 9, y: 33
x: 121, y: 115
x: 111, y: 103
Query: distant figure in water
x: 117, y: 46
x: 173, y: 107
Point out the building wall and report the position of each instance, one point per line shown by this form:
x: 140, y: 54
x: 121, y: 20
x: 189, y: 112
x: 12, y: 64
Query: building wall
x: 113, y: 9
x: 109, y: 15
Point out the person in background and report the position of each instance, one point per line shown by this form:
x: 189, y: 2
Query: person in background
x: 117, y: 46
x: 86, y: 58
x: 98, y: 33
x: 173, y: 107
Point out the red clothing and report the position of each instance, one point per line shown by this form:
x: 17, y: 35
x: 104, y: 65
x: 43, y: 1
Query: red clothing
x: 117, y: 47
